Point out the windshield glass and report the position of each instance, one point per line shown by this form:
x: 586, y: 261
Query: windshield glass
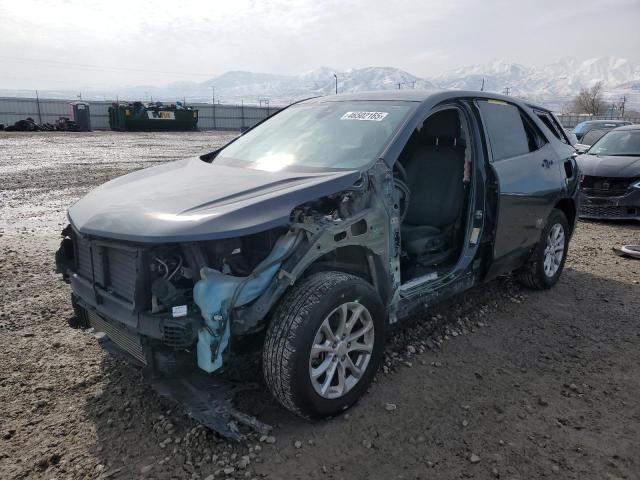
x: 333, y: 135
x: 592, y: 137
x: 620, y: 142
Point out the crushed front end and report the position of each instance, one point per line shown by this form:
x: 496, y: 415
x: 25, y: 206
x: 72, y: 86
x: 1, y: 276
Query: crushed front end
x: 185, y: 309
x: 166, y: 309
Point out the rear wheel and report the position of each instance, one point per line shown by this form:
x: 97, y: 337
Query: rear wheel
x: 324, y: 344
x: 547, y: 260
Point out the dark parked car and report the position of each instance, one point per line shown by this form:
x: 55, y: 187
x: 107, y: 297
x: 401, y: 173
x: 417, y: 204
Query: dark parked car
x: 611, y: 176
x: 589, y: 132
x: 308, y: 235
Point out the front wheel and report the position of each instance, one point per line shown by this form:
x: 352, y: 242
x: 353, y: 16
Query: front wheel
x: 324, y: 344
x: 547, y: 260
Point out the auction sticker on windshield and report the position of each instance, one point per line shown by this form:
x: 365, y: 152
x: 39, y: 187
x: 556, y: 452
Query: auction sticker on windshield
x: 371, y: 116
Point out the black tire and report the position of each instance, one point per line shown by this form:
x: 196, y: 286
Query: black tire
x: 290, y: 336
x: 532, y: 274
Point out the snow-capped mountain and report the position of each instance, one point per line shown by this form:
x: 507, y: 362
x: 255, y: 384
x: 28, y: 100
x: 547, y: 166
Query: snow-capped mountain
x: 554, y: 84
x: 234, y: 86
x: 251, y: 88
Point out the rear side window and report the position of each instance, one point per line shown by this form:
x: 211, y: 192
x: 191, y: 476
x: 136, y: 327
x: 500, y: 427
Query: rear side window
x: 510, y: 131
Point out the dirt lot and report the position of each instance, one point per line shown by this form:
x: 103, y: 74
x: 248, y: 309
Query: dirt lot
x: 500, y: 383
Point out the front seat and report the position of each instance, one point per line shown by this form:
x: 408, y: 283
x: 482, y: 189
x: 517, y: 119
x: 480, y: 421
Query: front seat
x: 435, y: 177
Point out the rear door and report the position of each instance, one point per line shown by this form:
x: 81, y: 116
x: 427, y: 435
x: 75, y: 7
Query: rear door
x: 528, y: 177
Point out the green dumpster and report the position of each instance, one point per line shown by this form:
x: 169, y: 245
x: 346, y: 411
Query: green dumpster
x: 136, y: 116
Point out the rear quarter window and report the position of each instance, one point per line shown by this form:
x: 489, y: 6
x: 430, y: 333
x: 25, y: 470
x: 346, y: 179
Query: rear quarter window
x: 554, y: 127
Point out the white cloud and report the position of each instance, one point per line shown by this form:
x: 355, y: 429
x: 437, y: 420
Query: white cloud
x: 53, y: 43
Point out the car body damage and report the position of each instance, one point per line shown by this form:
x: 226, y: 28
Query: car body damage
x: 610, y: 183
x: 187, y: 266
x: 218, y: 294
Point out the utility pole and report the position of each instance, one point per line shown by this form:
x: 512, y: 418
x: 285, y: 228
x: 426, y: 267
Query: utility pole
x: 336, y: 77
x: 506, y: 90
x: 623, y: 100
x: 38, y: 103
x: 482, y: 87
x: 399, y: 85
x: 242, y: 113
x: 213, y: 105
x: 413, y: 84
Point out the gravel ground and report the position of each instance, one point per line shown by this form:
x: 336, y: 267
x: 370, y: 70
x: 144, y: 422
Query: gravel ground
x: 498, y: 383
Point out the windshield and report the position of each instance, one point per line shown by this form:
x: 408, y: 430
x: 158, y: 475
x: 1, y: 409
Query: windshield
x: 592, y: 137
x: 618, y: 142
x: 333, y: 135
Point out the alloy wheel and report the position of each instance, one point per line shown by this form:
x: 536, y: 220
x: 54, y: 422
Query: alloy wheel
x: 554, y: 251
x: 341, y: 350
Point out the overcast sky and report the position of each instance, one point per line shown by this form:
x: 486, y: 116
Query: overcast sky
x: 63, y: 43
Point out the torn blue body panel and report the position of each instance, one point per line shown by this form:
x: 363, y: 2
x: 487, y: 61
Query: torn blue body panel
x: 215, y: 292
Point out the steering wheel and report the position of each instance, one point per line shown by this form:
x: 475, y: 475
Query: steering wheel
x: 403, y: 193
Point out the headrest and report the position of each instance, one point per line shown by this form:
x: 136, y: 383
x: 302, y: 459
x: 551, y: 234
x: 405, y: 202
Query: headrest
x: 444, y: 124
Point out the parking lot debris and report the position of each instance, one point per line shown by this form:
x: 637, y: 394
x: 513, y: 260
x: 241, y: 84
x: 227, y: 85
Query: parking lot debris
x: 63, y: 124
x: 628, y: 251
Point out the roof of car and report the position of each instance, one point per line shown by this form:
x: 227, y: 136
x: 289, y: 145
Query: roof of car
x: 633, y: 126
x: 599, y: 122
x: 411, y: 95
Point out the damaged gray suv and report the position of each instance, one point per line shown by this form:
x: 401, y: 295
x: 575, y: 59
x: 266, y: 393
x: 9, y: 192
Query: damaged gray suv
x: 305, y: 237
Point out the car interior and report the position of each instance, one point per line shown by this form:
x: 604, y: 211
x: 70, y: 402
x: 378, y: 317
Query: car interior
x: 433, y: 177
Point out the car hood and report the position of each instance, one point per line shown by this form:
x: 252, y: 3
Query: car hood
x: 191, y: 200
x: 609, y: 166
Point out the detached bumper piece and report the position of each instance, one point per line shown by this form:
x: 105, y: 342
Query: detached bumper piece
x: 208, y: 401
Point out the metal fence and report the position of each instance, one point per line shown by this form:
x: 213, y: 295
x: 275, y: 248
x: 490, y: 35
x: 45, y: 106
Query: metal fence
x: 218, y: 116
x: 223, y: 117
x: 569, y: 120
